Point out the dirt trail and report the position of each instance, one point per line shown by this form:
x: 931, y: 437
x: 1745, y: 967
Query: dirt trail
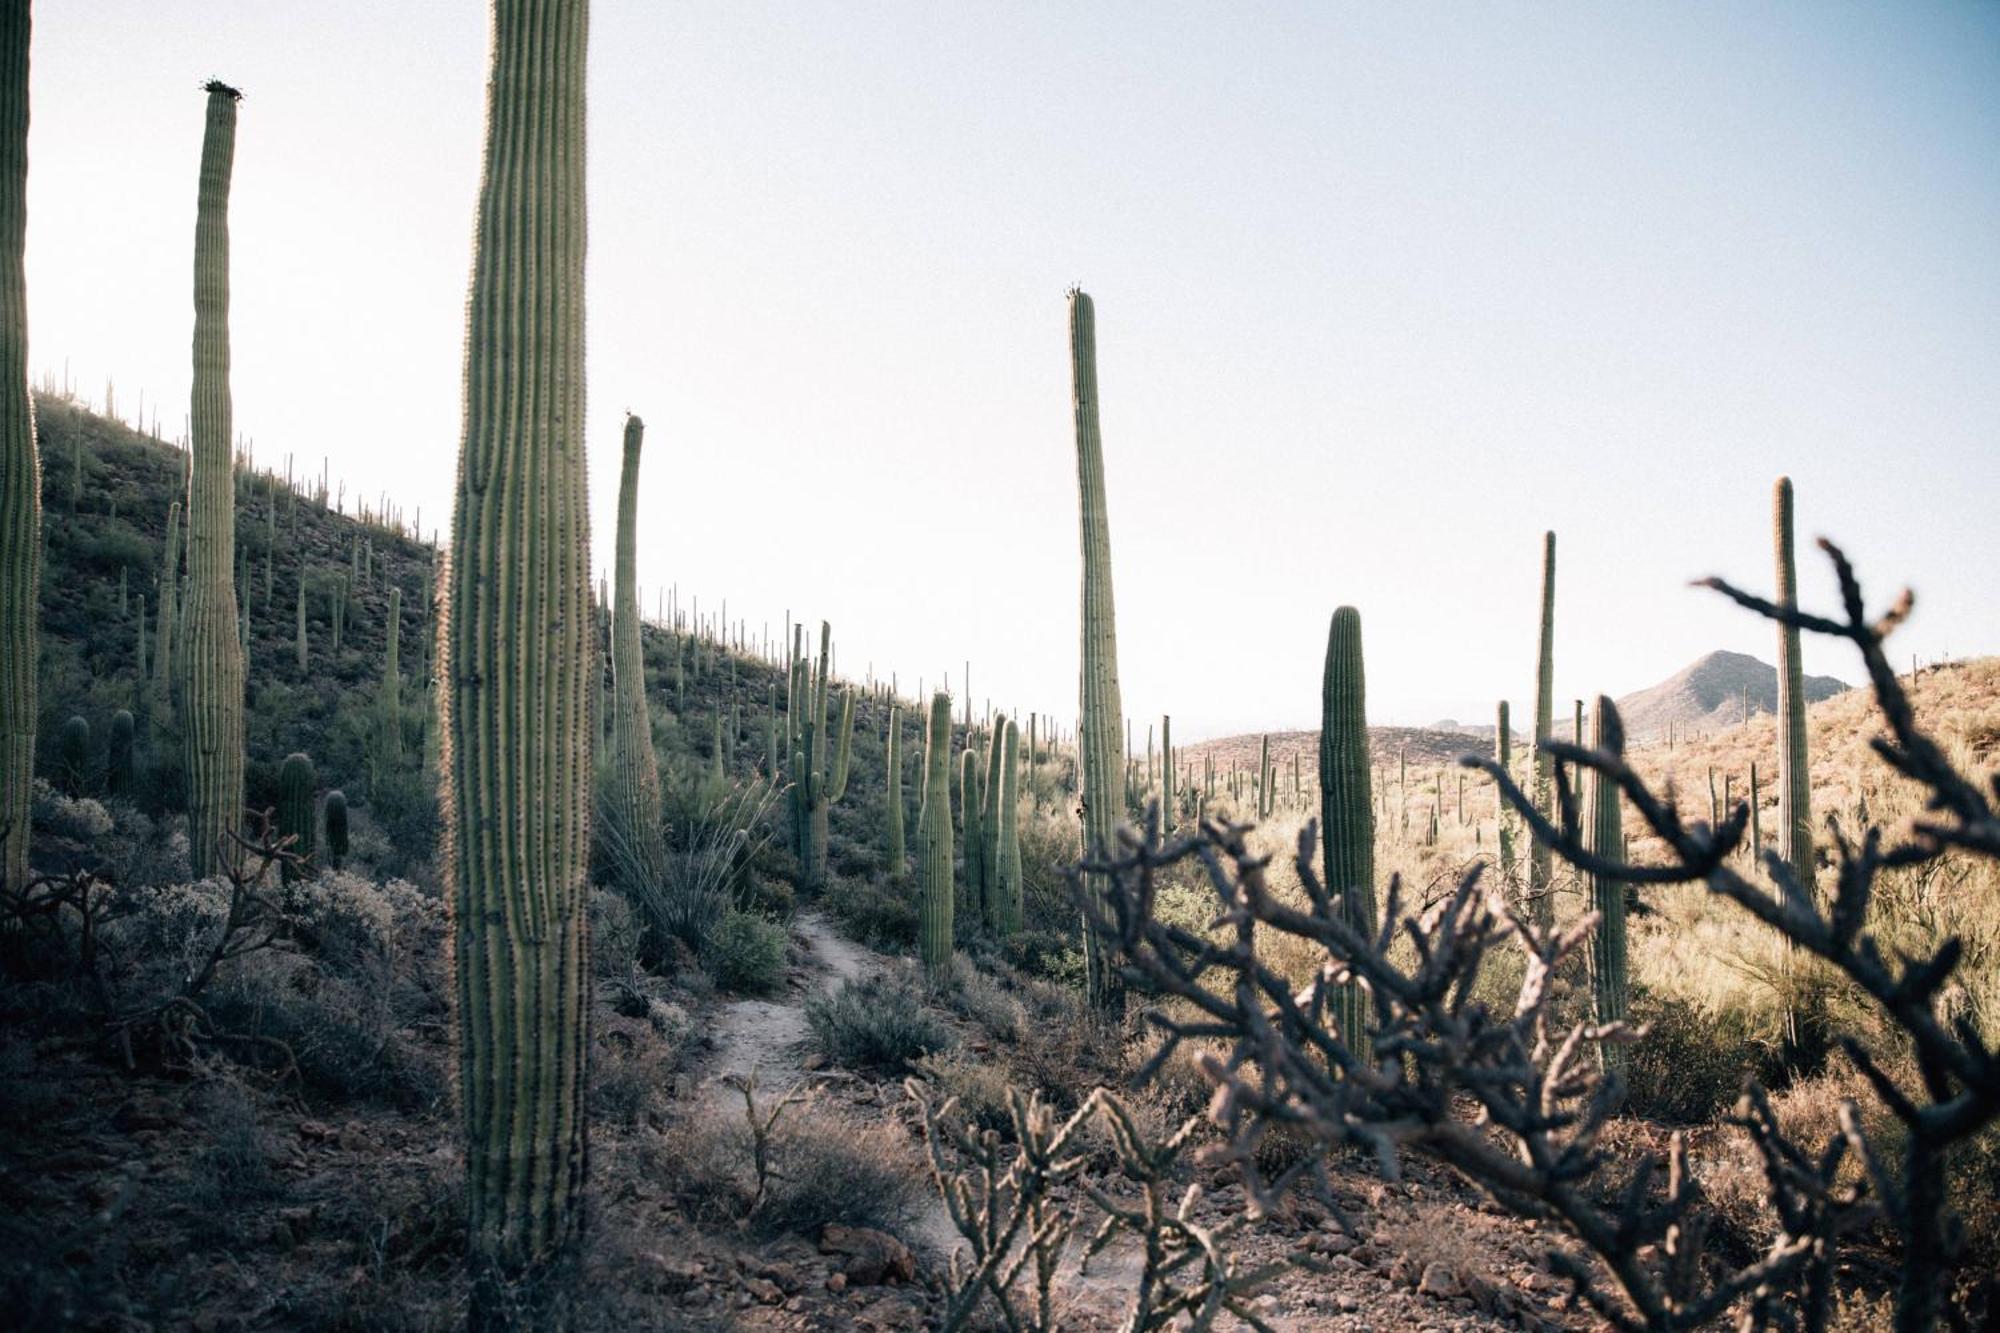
x: 768, y: 1036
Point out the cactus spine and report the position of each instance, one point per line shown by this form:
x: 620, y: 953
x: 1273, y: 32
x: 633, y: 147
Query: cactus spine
x: 1100, y: 763
x: 898, y: 851
x: 1346, y: 809
x: 20, y: 466
x: 1795, y: 841
x: 1610, y: 995
x: 1541, y: 868
x: 1006, y: 886
x: 295, y: 810
x: 633, y: 808
x: 335, y: 816
x: 518, y: 656
x: 818, y: 779
x: 212, y: 674
x: 934, y: 905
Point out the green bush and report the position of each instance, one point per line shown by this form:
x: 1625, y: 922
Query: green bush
x: 745, y: 954
x: 1691, y: 1063
x: 876, y: 1023
x: 873, y: 915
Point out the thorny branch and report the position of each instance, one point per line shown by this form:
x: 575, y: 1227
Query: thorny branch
x: 1514, y: 1100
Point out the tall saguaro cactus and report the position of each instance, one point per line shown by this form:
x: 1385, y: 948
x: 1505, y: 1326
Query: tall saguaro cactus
x: 1795, y: 840
x: 1101, y: 760
x: 1541, y: 867
x: 1610, y: 993
x: 20, y: 464
x: 1346, y: 808
x: 212, y: 668
x: 1503, y: 754
x: 518, y: 656
x: 897, y: 849
x: 296, y: 781
x: 1005, y: 890
x: 971, y: 808
x: 934, y: 906
x: 632, y: 807
x: 989, y: 826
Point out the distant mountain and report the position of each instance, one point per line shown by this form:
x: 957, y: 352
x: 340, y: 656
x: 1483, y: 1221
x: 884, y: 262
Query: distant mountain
x: 1713, y: 692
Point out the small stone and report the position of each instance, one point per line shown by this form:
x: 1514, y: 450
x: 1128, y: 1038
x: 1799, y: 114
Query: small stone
x: 1438, y: 1281
x: 836, y: 1283
x: 765, y: 1291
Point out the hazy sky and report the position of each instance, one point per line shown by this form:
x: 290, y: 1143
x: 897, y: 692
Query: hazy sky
x: 1382, y: 291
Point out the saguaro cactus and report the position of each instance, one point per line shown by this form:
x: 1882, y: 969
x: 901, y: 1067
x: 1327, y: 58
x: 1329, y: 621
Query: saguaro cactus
x: 518, y: 656
x: 20, y: 465
x: 1610, y: 995
x: 989, y: 826
x: 1503, y: 753
x: 896, y: 849
x: 632, y: 805
x: 1541, y: 868
x: 1795, y: 840
x: 934, y: 905
x: 212, y: 669
x: 1005, y: 896
x: 1346, y: 809
x: 390, y: 698
x: 1167, y: 801
x: 970, y: 809
x: 118, y: 756
x: 335, y: 815
x: 296, y: 781
x: 818, y: 779
x: 1101, y: 764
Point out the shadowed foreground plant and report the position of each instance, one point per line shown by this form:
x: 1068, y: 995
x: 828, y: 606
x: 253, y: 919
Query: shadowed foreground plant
x: 1513, y: 1099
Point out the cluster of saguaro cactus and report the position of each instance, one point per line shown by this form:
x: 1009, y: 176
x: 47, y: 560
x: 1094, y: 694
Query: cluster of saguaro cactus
x: 632, y: 792
x: 934, y: 887
x: 819, y: 771
x: 1541, y: 866
x: 20, y: 465
x: 1610, y: 993
x: 1346, y: 810
x: 212, y: 669
x: 296, y: 781
x: 518, y: 657
x: 896, y: 848
x: 1102, y: 718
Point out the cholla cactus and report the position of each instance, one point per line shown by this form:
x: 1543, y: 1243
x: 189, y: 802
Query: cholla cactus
x: 934, y: 904
x: 20, y: 466
x: 212, y: 669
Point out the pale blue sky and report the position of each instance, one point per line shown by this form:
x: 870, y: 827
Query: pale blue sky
x: 1383, y: 292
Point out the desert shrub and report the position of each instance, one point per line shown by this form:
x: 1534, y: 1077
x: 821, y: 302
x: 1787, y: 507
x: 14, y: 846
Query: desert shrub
x: 977, y: 996
x: 232, y: 1168
x: 876, y: 916
x: 746, y: 954
x: 821, y: 1168
x: 1691, y: 1064
x: 631, y: 1067
x: 878, y: 1023
x: 981, y: 1087
x: 614, y: 935
x: 1051, y: 955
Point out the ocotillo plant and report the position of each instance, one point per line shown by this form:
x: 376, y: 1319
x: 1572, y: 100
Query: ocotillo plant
x: 1005, y: 896
x: 1795, y: 840
x: 73, y: 756
x: 632, y: 795
x: 296, y: 781
x: 1503, y: 754
x: 1100, y: 763
x: 1541, y: 870
x: 118, y: 763
x: 518, y: 766
x: 934, y: 897
x: 896, y: 849
x: 212, y: 669
x: 1610, y: 995
x: 1346, y: 810
x: 335, y: 815
x: 20, y: 466
x: 819, y: 778
x: 970, y: 808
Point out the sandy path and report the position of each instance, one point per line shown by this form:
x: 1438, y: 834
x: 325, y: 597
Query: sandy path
x: 768, y: 1036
